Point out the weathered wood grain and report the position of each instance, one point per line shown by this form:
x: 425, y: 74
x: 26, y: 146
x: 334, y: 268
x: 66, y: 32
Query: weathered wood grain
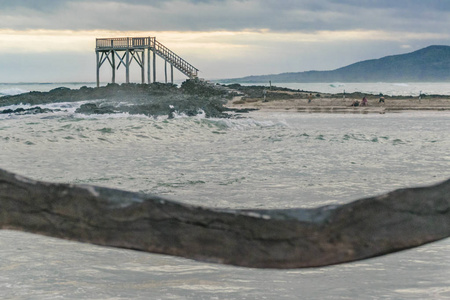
x: 293, y: 238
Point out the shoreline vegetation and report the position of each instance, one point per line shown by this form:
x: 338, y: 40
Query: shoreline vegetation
x: 196, y: 97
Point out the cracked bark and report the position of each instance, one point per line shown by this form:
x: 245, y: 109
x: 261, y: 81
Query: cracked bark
x: 292, y: 238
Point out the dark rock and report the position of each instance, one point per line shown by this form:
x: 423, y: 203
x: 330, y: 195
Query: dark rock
x: 289, y: 238
x: 150, y: 99
x: 27, y: 111
x: 92, y: 108
x: 242, y: 110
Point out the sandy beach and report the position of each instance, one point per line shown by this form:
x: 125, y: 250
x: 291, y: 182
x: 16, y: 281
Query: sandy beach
x: 336, y: 103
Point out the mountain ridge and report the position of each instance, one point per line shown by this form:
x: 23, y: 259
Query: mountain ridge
x: 431, y: 63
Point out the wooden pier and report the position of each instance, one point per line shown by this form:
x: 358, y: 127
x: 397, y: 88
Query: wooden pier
x: 127, y: 49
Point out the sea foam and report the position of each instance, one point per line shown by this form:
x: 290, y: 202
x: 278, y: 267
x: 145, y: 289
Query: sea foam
x: 12, y: 92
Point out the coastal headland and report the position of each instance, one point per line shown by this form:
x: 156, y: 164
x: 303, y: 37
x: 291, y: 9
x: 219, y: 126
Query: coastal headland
x: 195, y: 97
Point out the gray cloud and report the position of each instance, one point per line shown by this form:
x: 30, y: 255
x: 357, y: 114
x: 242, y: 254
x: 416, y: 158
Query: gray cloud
x: 206, y: 15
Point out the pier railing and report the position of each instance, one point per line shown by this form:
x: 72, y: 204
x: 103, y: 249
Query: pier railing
x: 124, y: 43
x: 132, y: 43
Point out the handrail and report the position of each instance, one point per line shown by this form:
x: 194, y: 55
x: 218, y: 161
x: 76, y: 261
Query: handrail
x: 181, y: 64
x: 127, y: 42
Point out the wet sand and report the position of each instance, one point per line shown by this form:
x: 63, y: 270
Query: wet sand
x: 334, y: 104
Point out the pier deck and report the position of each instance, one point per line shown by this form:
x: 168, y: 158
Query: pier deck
x: 128, y: 49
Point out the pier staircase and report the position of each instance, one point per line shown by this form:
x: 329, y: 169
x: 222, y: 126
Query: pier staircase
x: 175, y: 60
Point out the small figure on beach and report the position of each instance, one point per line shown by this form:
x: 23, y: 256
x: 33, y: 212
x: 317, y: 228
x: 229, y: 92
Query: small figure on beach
x: 364, y: 101
x: 310, y: 96
x: 381, y: 99
x: 355, y: 103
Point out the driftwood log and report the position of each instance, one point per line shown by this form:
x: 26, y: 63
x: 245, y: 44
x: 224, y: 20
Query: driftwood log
x: 292, y: 238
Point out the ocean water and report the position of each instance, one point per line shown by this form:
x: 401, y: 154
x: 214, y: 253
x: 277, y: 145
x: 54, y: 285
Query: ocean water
x: 258, y: 160
x: 7, y: 89
x: 387, y: 88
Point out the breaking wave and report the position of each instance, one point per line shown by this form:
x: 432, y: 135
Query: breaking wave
x: 12, y: 92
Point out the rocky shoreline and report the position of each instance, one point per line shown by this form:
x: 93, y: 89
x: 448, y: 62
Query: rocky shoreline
x: 196, y: 97
x: 156, y: 99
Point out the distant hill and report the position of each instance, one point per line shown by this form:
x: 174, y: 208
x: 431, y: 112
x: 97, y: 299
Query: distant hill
x: 428, y: 64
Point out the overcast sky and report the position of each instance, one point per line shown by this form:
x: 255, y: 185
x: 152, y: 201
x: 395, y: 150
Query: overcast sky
x: 54, y: 40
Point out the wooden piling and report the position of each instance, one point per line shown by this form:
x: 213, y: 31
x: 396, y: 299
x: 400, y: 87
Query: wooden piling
x: 142, y: 67
x: 127, y: 66
x: 98, y: 69
x: 113, y: 79
x: 148, y: 66
x: 154, y: 67
x: 165, y: 71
